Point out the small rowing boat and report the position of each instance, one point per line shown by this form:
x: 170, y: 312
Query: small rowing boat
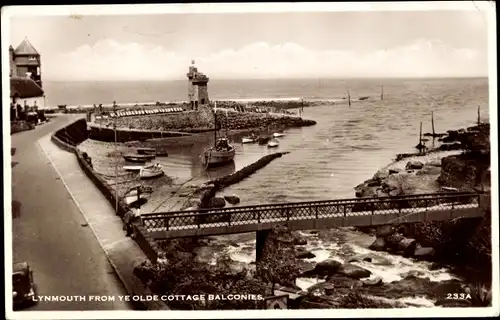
x: 249, y: 139
x: 132, y: 168
x: 278, y: 134
x: 140, y: 158
x: 146, y: 151
x: 151, y: 171
x: 273, y: 143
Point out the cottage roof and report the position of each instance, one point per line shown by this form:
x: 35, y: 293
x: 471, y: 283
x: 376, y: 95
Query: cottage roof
x: 24, y: 88
x: 26, y: 48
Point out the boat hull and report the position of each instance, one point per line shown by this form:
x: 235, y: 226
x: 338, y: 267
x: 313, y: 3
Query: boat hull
x: 150, y: 175
x: 215, y: 158
x: 277, y: 135
x: 248, y: 140
x: 138, y: 158
x: 132, y: 168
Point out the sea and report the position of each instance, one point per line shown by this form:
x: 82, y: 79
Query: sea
x: 348, y: 145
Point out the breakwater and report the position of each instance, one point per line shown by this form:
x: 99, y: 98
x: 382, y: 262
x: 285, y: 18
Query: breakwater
x: 206, y: 200
x: 202, y: 120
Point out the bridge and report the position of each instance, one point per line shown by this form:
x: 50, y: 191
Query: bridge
x: 316, y: 214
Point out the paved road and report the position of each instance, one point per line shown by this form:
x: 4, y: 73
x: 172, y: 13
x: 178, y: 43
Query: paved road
x: 49, y: 231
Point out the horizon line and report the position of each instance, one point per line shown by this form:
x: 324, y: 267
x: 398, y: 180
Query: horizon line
x: 282, y: 78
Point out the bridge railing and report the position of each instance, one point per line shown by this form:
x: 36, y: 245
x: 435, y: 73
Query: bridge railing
x: 282, y: 212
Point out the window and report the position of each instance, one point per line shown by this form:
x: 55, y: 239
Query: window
x: 32, y: 58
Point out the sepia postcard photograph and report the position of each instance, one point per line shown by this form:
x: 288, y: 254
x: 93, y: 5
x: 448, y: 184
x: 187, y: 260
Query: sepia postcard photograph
x: 250, y: 160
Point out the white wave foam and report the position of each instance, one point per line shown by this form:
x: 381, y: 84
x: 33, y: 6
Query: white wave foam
x: 417, y: 302
x: 399, y: 266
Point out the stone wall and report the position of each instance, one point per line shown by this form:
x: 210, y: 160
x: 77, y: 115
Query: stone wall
x: 202, y: 120
x: 124, y: 135
x: 68, y: 138
x: 18, y: 126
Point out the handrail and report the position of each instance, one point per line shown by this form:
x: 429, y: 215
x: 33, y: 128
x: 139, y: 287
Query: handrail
x: 258, y: 212
x: 434, y: 196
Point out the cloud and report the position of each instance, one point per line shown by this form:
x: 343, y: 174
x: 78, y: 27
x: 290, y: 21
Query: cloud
x: 111, y: 60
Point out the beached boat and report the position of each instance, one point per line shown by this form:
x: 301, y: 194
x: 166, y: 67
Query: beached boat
x: 140, y: 158
x: 151, y: 171
x: 221, y: 153
x: 278, y: 134
x: 132, y: 168
x: 146, y: 151
x: 250, y: 139
x: 273, y: 143
x: 264, y: 140
x: 137, y: 195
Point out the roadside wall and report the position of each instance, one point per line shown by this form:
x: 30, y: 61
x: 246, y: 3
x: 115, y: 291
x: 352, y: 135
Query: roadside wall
x: 67, y: 139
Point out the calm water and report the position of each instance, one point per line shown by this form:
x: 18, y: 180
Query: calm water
x: 326, y: 161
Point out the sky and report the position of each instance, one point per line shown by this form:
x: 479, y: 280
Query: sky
x: 258, y: 45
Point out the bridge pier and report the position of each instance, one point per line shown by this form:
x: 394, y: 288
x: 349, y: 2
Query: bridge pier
x: 261, y: 237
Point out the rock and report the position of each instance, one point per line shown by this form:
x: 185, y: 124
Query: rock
x: 394, y: 171
x: 233, y: 244
x: 407, y: 246
x: 232, y: 199
x: 435, y: 266
x: 372, y: 182
x: 381, y: 174
x: 327, y: 267
x: 377, y: 281
x: 380, y: 193
x: 413, y: 273
x: 341, y: 282
x: 304, y: 254
x: 429, y: 170
x: 217, y: 202
x: 306, y: 268
x: 435, y: 163
x: 424, y: 253
x: 354, y: 271
x: 392, y: 241
x: 378, y: 244
x: 396, y: 192
x: 385, y: 231
x: 414, y: 165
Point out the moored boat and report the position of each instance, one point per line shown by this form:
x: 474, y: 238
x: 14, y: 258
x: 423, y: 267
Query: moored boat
x: 250, y: 139
x: 278, y: 134
x: 146, y: 151
x: 151, y: 171
x: 140, y: 158
x: 132, y: 168
x: 264, y: 140
x: 221, y: 153
x: 137, y: 195
x: 273, y: 143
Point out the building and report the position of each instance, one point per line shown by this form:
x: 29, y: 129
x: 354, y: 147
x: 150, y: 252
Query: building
x: 197, y: 87
x: 26, y: 75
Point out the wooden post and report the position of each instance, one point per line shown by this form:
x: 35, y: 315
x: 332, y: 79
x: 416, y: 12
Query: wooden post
x: 432, y: 120
x: 349, y: 97
x: 420, y: 134
x: 382, y: 94
x: 478, y: 115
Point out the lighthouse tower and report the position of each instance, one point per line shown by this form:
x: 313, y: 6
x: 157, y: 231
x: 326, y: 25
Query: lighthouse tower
x: 197, y: 87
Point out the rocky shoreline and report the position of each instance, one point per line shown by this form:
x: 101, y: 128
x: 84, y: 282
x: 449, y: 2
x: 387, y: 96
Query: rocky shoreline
x: 457, y: 242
